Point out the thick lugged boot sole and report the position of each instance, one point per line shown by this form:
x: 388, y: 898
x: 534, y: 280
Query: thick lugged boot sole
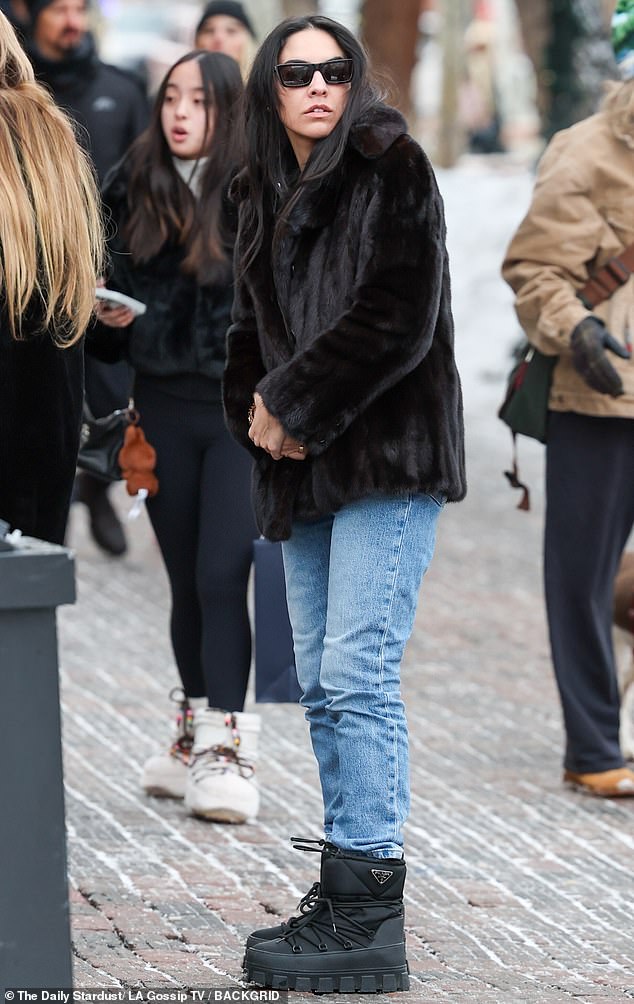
x: 364, y: 983
x: 380, y: 968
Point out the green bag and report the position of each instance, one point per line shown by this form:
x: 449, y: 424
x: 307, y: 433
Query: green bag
x: 525, y: 406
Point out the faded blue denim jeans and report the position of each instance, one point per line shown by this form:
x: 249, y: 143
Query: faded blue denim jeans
x: 352, y: 582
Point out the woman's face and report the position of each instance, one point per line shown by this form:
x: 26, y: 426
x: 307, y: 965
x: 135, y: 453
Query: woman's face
x: 221, y: 33
x: 184, y: 115
x: 310, y: 113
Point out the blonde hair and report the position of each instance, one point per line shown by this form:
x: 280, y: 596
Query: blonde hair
x: 247, y: 56
x: 51, y: 234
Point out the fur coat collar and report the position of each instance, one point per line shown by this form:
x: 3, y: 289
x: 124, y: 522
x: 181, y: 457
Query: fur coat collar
x: 371, y: 136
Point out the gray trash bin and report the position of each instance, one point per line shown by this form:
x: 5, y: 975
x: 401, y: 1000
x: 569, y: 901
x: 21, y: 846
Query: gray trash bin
x: 35, y: 950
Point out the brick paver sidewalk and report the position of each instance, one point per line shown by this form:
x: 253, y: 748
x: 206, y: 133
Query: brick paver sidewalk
x: 518, y: 890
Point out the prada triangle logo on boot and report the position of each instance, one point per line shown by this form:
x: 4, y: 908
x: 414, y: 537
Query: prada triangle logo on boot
x: 381, y: 876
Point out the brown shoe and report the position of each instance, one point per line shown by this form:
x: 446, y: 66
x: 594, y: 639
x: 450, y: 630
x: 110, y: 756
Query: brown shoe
x: 617, y: 783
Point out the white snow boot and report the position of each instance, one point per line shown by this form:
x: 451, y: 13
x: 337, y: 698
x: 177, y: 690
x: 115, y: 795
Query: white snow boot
x: 220, y: 783
x: 164, y: 774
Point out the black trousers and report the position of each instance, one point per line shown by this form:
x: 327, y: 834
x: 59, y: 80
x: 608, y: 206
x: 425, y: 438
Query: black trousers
x: 204, y: 525
x: 589, y: 516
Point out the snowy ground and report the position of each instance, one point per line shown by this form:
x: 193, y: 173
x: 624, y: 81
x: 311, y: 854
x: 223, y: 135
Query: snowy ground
x: 484, y: 203
x: 485, y: 200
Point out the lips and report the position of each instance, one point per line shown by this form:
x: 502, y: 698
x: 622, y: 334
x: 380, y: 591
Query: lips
x: 318, y: 110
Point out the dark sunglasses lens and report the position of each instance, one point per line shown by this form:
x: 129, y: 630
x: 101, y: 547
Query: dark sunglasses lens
x: 337, y: 71
x: 334, y: 71
x: 295, y: 74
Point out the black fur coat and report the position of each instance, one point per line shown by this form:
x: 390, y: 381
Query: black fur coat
x: 346, y: 332
x: 41, y: 392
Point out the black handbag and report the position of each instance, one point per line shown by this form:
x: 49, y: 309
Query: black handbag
x: 101, y: 440
x: 275, y: 676
x: 525, y: 405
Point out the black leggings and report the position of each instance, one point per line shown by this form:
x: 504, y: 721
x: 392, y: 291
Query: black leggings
x: 204, y: 525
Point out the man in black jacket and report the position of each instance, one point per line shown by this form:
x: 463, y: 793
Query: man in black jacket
x: 15, y: 11
x: 110, y: 108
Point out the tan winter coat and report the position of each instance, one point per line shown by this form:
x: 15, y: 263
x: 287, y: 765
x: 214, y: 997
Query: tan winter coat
x: 581, y: 215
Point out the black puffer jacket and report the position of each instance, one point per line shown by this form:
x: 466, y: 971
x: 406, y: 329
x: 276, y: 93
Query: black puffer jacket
x: 347, y: 334
x: 183, y: 332
x: 108, y: 104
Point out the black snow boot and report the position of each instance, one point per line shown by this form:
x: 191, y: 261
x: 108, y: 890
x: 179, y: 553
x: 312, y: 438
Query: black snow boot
x: 349, y: 940
x: 307, y: 904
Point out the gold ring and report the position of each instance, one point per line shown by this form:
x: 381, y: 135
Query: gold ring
x: 301, y: 449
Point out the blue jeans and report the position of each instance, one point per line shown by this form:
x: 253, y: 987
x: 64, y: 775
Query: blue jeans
x: 352, y: 582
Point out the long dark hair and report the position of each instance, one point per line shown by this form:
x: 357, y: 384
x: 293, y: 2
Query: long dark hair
x: 162, y: 209
x: 271, y: 168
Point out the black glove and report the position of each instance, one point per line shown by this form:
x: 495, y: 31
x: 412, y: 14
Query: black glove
x: 589, y: 342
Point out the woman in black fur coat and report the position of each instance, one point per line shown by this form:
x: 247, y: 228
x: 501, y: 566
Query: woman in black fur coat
x: 341, y: 382
x: 172, y: 250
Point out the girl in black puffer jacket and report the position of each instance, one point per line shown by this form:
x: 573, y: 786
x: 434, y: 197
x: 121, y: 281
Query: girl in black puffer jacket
x: 171, y: 249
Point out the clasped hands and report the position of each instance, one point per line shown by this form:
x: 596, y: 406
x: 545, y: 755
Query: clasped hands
x: 268, y: 433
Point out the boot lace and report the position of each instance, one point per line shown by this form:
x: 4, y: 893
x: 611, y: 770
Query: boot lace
x: 306, y: 905
x: 218, y: 759
x: 302, y: 844
x: 182, y: 745
x: 321, y: 918
x: 332, y: 920
x: 310, y: 901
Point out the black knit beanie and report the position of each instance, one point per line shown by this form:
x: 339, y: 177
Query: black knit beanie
x: 35, y: 8
x: 229, y: 8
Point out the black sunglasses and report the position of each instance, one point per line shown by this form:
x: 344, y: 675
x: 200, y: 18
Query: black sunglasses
x: 334, y: 71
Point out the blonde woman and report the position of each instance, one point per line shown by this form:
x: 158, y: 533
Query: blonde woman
x: 226, y: 27
x: 50, y: 253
